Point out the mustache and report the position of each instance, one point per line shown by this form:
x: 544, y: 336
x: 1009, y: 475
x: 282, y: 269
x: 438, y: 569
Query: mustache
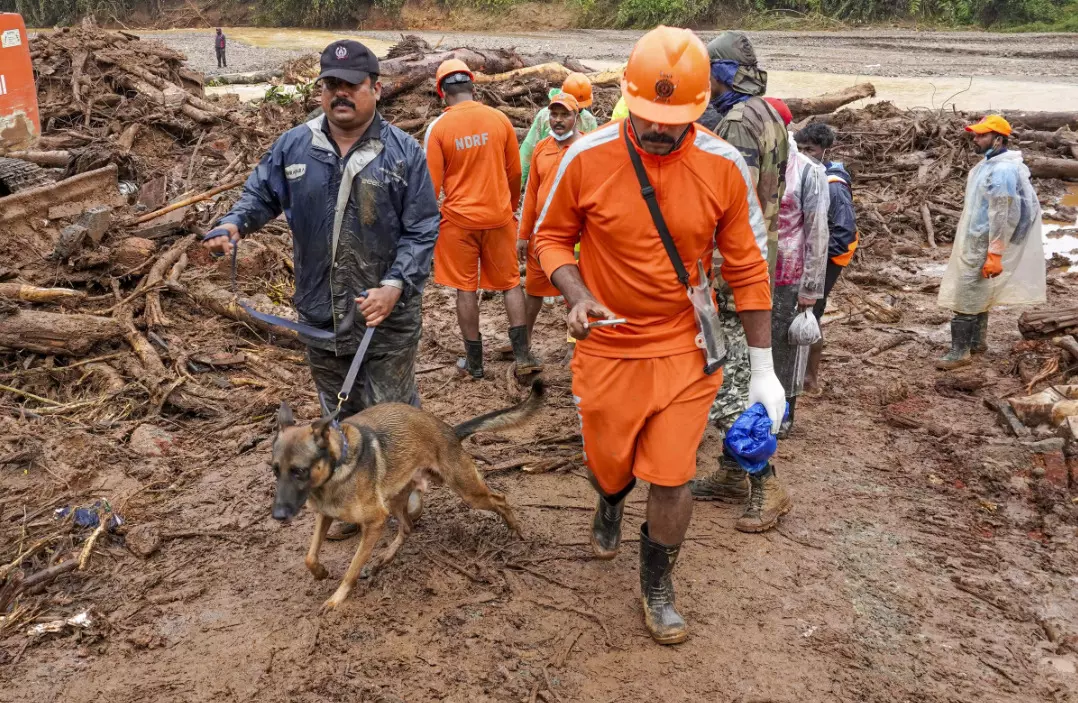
x: 342, y: 101
x: 656, y: 138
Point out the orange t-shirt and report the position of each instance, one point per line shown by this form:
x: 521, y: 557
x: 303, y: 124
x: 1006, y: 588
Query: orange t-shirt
x: 547, y: 155
x: 472, y: 154
x: 704, y: 191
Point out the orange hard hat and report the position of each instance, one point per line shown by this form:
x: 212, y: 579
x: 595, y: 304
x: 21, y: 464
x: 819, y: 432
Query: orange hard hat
x: 668, y: 77
x: 578, y: 85
x: 448, y: 68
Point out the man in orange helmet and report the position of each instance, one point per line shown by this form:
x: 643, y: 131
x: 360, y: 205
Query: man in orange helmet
x: 575, y: 84
x: 472, y: 156
x: 641, y: 387
x: 564, y: 114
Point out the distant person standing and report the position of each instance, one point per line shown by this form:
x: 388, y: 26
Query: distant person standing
x: 219, y: 47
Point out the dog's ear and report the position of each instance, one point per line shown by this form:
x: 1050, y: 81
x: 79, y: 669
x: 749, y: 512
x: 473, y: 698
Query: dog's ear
x: 284, y: 416
x: 320, y: 432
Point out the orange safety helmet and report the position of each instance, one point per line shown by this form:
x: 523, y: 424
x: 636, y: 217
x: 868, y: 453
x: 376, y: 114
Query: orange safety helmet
x: 668, y: 77
x: 578, y: 85
x: 448, y: 68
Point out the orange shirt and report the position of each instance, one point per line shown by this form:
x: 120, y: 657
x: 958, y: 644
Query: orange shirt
x: 472, y: 154
x: 704, y: 192
x: 545, y: 159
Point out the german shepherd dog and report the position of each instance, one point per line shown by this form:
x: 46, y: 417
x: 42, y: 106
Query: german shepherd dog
x: 366, y: 468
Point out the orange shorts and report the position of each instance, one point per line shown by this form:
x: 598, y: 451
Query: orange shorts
x: 470, y: 259
x: 536, y: 283
x: 642, y: 417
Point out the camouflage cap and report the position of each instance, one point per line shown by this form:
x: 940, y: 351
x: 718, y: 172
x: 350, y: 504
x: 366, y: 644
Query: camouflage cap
x: 735, y: 46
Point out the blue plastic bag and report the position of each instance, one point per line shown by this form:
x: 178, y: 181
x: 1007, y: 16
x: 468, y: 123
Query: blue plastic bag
x: 90, y: 516
x: 749, y: 439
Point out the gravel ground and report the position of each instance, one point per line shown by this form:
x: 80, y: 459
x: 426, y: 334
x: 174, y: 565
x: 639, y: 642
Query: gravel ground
x: 241, y: 57
x: 1040, y: 57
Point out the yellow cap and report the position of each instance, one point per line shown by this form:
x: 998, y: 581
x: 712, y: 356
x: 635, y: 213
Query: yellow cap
x: 991, y: 123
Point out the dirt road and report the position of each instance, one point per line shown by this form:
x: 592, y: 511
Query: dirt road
x: 1036, y: 57
x: 922, y: 562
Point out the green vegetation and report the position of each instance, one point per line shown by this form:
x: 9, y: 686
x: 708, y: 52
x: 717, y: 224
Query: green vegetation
x: 1008, y: 15
x: 48, y: 13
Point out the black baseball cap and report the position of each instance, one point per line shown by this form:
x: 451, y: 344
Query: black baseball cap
x: 348, y: 61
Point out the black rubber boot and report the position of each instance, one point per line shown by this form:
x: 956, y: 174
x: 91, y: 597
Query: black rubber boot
x: 606, y: 525
x: 787, y: 424
x: 657, y: 561
x: 522, y: 353
x: 980, y: 338
x: 729, y: 483
x: 473, y: 363
x: 963, y: 329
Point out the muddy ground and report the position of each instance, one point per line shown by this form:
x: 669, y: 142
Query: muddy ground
x: 924, y: 561
x: 875, y: 52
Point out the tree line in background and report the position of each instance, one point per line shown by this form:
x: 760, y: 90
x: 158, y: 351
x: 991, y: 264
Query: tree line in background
x: 1047, y: 15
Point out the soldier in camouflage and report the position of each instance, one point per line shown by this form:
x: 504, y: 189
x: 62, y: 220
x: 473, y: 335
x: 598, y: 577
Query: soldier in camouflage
x: 739, y: 114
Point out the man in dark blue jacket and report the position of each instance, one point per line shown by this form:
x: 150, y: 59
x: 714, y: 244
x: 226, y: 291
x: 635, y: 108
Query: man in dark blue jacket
x: 359, y: 200
x: 815, y: 140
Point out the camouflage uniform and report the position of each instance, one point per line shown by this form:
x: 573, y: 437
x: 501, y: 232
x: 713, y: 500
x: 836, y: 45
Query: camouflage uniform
x: 758, y: 132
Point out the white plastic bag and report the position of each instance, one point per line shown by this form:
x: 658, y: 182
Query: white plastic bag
x: 804, y: 332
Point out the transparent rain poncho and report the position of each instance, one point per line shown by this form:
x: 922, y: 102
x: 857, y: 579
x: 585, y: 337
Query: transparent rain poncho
x: 803, y: 235
x: 1001, y: 216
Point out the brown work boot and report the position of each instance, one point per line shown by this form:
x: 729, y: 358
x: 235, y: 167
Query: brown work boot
x: 342, y: 530
x: 768, y: 501
x: 657, y: 561
x: 730, y: 483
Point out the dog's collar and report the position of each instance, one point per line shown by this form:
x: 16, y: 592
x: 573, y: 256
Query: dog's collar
x: 344, y: 448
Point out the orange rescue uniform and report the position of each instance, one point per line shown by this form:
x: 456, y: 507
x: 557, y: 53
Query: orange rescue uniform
x: 473, y: 156
x: 640, y: 389
x: 546, y: 157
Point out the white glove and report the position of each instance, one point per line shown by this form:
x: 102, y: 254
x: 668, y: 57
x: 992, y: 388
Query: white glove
x: 764, y: 386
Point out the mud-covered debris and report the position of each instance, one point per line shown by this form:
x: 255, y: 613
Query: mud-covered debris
x: 143, y: 540
x: 151, y: 441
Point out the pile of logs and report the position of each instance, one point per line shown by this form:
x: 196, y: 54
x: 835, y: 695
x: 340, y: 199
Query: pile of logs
x: 909, y: 166
x: 1043, y: 324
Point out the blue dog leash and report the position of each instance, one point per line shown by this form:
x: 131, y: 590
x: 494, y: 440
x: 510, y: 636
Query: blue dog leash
x: 315, y: 333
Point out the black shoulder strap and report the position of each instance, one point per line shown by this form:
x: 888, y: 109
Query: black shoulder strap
x: 656, y: 214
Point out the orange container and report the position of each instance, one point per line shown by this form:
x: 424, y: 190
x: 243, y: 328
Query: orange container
x: 19, y: 121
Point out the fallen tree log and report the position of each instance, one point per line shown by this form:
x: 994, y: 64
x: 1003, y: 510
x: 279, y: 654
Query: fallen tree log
x: 33, y: 294
x: 1048, y: 323
x: 54, y: 333
x: 1044, y: 167
x: 188, y: 201
x: 548, y: 58
x: 554, y: 73
x: 249, y: 78
x: 1047, y: 121
x: 48, y: 159
x: 407, y: 72
x: 227, y: 305
x: 829, y: 102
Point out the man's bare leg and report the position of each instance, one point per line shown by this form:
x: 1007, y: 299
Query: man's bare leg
x: 533, y: 305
